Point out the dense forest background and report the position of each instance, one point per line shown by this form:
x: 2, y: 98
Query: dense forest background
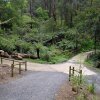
x: 53, y: 30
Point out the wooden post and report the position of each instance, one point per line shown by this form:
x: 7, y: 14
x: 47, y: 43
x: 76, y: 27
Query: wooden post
x: 69, y: 73
x: 1, y: 60
x: 13, y: 62
x: 19, y: 68
x: 73, y: 71
x: 80, y: 76
x: 12, y: 70
x: 25, y: 65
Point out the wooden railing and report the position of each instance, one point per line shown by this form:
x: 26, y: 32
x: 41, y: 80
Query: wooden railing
x: 72, y: 72
x: 19, y: 63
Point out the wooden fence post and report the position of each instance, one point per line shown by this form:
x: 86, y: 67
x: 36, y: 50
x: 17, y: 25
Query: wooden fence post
x: 13, y: 62
x: 19, y: 68
x: 69, y: 73
x: 25, y: 65
x: 73, y: 69
x: 12, y: 70
x: 1, y: 60
x: 80, y: 76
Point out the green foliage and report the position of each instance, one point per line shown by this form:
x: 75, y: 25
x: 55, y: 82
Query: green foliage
x: 58, y: 59
x: 75, y: 81
x: 26, y: 18
x: 87, y: 45
x: 42, y: 14
x: 23, y: 46
x: 38, y: 45
x: 85, y: 20
x: 4, y: 44
x: 81, y: 97
x: 91, y: 88
x: 68, y: 25
x: 65, y: 44
x: 47, y: 56
x: 1, y: 31
x: 93, y: 60
x: 84, y: 90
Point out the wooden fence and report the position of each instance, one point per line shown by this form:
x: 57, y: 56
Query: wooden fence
x: 72, y: 72
x: 19, y: 63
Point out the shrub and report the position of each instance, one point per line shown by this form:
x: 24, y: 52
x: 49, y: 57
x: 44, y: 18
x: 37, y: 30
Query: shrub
x: 75, y: 82
x: 47, y: 56
x: 22, y: 46
x: 54, y: 50
x: 91, y: 88
x: 6, y: 44
x: 1, y: 31
x: 42, y: 14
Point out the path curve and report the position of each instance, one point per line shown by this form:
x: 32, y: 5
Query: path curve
x: 45, y: 80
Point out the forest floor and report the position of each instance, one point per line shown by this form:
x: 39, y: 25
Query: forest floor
x: 45, y: 79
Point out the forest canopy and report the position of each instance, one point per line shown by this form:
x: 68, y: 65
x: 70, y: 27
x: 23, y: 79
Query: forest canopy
x: 49, y: 28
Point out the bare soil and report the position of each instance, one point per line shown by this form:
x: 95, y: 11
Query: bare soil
x: 65, y: 93
x: 5, y: 73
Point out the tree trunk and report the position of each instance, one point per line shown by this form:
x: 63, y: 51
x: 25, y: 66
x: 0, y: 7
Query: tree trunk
x: 65, y: 11
x: 38, y: 53
x: 46, y: 4
x: 30, y: 12
x: 95, y: 42
x: 91, y: 2
x: 71, y: 20
x: 54, y: 9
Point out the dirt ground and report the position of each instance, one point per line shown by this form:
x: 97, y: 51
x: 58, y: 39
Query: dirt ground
x: 5, y: 73
x: 65, y: 93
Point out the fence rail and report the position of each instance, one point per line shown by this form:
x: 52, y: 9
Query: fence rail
x: 19, y: 63
x: 72, y: 71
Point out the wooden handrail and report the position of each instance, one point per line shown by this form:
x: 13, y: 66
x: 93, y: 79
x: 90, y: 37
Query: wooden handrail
x: 13, y: 64
x: 12, y: 60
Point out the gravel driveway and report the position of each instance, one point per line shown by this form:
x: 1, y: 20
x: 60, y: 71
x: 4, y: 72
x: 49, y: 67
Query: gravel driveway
x: 35, y: 86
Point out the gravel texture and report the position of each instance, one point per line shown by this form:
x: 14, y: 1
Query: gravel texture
x: 35, y: 86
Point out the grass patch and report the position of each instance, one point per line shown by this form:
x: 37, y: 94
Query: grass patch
x: 36, y: 60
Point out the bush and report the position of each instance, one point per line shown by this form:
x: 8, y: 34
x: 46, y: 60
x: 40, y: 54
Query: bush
x: 54, y: 50
x: 93, y: 60
x: 91, y: 88
x: 42, y: 14
x: 84, y: 90
x: 7, y: 44
x: 47, y: 56
x: 66, y: 44
x: 1, y: 31
x: 23, y: 46
x: 87, y: 45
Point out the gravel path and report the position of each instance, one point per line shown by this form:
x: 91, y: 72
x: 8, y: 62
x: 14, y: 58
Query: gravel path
x: 35, y: 86
x: 45, y: 80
